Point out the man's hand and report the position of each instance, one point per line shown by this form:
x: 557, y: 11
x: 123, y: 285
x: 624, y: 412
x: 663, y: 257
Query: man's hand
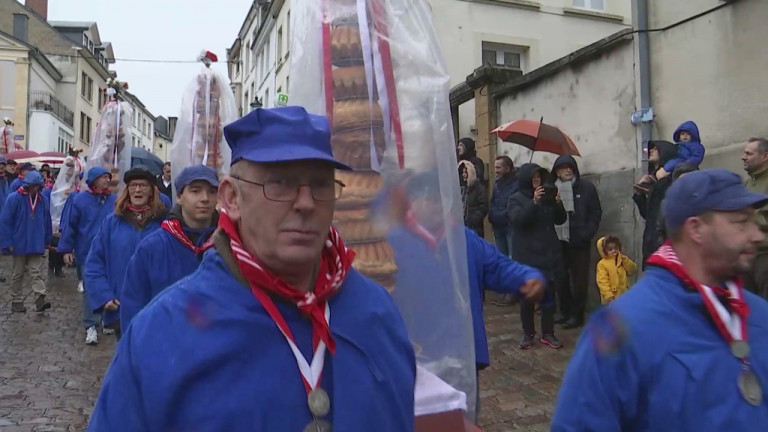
x: 533, y: 290
x: 537, y: 194
x: 69, y: 259
x: 557, y: 197
x: 112, y: 305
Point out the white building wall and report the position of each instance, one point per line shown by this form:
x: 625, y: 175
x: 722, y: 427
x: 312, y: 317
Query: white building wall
x: 48, y: 133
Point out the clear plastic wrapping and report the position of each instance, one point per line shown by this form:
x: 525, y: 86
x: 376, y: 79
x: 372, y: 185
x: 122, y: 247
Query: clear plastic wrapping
x: 111, y: 147
x: 208, y: 105
x: 7, y: 138
x: 374, y: 67
x: 66, y: 183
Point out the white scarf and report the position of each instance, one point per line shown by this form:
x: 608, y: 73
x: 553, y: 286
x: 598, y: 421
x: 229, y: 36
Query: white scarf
x: 566, y: 196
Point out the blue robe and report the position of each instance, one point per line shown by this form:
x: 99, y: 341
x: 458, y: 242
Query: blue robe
x: 159, y: 261
x: 15, y: 185
x: 654, y: 361
x: 420, y: 266
x: 108, y: 258
x: 205, y: 356
x: 29, y: 233
x: 80, y: 221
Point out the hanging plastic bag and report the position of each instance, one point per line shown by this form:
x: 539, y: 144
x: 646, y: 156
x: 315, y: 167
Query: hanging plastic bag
x: 375, y: 69
x: 207, y: 106
x: 67, y: 182
x: 110, y: 148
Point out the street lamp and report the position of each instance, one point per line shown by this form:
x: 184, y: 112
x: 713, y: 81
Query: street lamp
x: 256, y: 103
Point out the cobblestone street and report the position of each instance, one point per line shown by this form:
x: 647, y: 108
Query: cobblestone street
x: 49, y: 378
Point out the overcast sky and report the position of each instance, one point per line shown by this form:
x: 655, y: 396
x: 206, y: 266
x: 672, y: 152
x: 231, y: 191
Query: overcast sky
x: 159, y: 30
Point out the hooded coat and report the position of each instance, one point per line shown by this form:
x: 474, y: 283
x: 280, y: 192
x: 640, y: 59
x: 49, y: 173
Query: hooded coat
x: 649, y: 204
x: 204, y: 355
x: 28, y: 231
x: 82, y: 220
x: 691, y: 152
x: 470, y: 154
x: 473, y: 198
x: 160, y: 261
x: 585, y: 220
x: 654, y: 361
x: 503, y: 188
x: 111, y: 250
x: 613, y: 273
x: 535, y: 241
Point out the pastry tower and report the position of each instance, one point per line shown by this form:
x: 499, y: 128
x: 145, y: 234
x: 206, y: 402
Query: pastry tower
x: 358, y: 140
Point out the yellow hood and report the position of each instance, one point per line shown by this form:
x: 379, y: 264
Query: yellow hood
x: 600, y: 242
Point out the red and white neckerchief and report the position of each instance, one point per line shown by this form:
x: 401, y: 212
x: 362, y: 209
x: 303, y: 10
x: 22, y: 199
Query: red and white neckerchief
x: 174, y: 227
x: 732, y: 326
x: 32, y: 203
x: 335, y: 263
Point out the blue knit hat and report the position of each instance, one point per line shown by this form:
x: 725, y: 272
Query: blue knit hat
x: 33, y: 178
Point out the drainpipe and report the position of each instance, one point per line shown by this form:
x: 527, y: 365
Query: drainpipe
x: 644, y: 68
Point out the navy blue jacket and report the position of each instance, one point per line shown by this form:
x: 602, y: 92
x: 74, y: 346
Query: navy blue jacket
x: 208, y: 335
x: 29, y: 233
x: 691, y: 152
x: 111, y: 250
x: 503, y: 188
x: 160, y: 261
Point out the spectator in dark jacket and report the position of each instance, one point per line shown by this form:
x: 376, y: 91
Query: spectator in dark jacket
x: 473, y: 198
x: 584, y: 213
x: 164, y: 181
x: 649, y: 193
x: 504, y: 187
x: 534, y: 211
x: 465, y: 150
x: 679, y: 171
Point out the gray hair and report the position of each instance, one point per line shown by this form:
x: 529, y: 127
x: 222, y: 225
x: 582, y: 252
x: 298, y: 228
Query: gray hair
x: 762, y: 144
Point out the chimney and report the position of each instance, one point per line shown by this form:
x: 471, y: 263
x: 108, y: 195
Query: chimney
x: 20, y: 24
x: 40, y: 7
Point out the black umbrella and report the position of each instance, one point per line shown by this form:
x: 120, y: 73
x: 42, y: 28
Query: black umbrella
x: 139, y: 156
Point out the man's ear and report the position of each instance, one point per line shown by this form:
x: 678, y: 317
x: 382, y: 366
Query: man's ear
x: 694, y: 228
x: 228, y: 197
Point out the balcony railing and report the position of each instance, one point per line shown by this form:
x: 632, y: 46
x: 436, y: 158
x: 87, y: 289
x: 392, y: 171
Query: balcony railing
x: 45, y: 101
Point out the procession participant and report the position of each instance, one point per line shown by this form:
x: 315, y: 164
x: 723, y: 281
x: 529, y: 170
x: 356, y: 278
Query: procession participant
x: 686, y: 349
x: 85, y: 215
x: 4, y: 183
x: 25, y: 230
x: 19, y: 180
x: 138, y: 213
x: 276, y: 294
x: 175, y: 251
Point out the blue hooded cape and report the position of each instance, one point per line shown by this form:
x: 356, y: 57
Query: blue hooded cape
x: 111, y: 250
x: 82, y: 220
x: 160, y: 261
x: 205, y: 356
x: 654, y: 361
x: 29, y: 233
x: 691, y: 152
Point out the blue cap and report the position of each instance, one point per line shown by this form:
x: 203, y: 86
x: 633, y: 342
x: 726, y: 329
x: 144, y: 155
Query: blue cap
x: 95, y: 173
x: 2, y: 160
x: 33, y: 178
x: 194, y: 173
x: 707, y: 190
x: 27, y: 166
x: 281, y: 135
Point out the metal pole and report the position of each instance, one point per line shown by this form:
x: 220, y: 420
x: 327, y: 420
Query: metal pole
x: 644, y: 68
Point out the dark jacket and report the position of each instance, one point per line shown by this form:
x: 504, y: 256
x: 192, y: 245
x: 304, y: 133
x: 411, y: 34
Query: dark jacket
x: 535, y: 241
x: 470, y: 154
x: 649, y: 205
x: 585, y: 220
x: 503, y: 188
x: 167, y: 191
x: 474, y: 199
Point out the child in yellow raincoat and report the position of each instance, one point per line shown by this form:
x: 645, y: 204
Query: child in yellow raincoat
x: 613, y: 270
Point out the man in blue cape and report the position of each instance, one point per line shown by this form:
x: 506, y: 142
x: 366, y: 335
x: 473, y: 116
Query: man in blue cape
x: 175, y: 251
x: 275, y: 331
x: 686, y: 348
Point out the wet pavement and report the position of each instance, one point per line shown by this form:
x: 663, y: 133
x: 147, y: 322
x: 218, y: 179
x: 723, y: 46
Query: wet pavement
x: 49, y: 378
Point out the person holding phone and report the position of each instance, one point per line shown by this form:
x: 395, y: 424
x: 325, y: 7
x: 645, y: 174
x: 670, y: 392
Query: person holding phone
x: 534, y: 211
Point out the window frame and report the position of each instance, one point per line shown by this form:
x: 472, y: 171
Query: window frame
x: 589, y: 5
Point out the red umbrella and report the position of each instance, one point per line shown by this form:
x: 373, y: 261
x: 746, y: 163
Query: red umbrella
x: 537, y: 136
x: 53, y: 154
x: 21, y: 154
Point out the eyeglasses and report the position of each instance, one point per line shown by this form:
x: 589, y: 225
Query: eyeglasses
x: 135, y: 186
x: 284, y: 190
